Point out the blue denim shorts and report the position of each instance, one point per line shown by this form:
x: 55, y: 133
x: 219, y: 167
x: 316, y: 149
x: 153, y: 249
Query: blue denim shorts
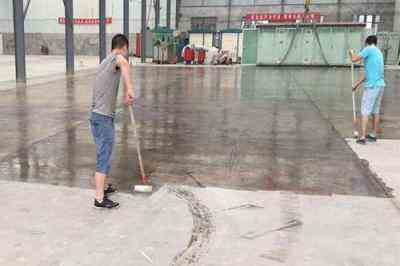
x: 371, y: 100
x: 104, y: 135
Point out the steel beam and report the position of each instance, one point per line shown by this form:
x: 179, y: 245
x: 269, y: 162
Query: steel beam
x: 143, y: 33
x: 69, y: 36
x: 102, y: 30
x: 178, y: 13
x: 157, y: 14
x: 126, y: 18
x: 396, y: 19
x: 339, y: 11
x: 169, y: 14
x: 19, y: 39
x: 228, y: 26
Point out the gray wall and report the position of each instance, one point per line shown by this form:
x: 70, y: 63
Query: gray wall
x: 43, y: 15
x: 330, y: 9
x: 85, y: 43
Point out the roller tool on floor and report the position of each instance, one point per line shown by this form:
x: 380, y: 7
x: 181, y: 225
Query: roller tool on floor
x: 353, y: 92
x: 144, y: 187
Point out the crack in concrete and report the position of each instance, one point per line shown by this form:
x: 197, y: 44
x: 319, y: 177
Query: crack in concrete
x: 244, y: 206
x: 198, y: 183
x: 380, y: 183
x: 288, y: 225
x: 203, y: 228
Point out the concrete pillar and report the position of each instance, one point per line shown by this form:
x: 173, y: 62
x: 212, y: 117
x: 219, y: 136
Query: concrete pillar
x: 19, y: 39
x: 102, y: 30
x: 396, y: 19
x: 157, y: 14
x: 143, y: 33
x: 229, y: 14
x: 69, y: 36
x: 339, y: 11
x: 126, y: 18
x: 178, y: 13
x: 169, y: 14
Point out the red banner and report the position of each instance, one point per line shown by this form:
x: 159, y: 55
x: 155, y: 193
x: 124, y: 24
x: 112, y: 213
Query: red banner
x: 283, y: 17
x: 85, y: 21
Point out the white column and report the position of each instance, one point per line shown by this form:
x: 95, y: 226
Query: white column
x: 396, y: 19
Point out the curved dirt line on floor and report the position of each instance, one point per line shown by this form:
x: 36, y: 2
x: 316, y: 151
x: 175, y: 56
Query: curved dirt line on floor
x: 203, y: 228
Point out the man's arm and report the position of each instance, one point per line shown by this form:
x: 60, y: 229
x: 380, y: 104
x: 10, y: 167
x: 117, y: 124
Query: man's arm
x: 123, y: 64
x: 359, y: 81
x: 354, y: 57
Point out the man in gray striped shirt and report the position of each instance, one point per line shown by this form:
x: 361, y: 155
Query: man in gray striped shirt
x: 105, y: 92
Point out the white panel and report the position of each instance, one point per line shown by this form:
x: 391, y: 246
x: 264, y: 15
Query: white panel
x: 191, y: 2
x: 230, y: 42
x: 6, y: 23
x: 208, y: 40
x: 242, y: 2
x: 1, y: 44
x: 299, y: 2
x: 196, y: 38
x: 5, y: 9
x: 269, y: 2
x: 240, y: 45
x: 215, y: 2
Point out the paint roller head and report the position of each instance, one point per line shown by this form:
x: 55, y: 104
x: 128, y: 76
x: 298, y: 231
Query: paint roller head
x: 143, y: 188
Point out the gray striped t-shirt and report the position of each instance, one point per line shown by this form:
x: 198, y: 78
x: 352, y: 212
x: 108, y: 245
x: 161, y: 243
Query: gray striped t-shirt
x: 105, y: 89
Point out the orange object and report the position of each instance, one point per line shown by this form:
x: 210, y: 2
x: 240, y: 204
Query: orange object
x: 187, y: 54
x: 138, y: 43
x: 201, y: 57
x: 192, y: 55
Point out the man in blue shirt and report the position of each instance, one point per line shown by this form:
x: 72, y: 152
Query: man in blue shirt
x: 373, y: 77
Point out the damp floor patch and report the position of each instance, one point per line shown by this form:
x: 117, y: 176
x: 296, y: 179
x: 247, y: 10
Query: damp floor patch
x: 245, y: 128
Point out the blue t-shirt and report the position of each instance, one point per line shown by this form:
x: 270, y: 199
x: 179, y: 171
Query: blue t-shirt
x: 374, y: 66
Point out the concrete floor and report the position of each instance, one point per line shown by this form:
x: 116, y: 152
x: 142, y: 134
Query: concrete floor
x: 250, y: 128
x: 40, y: 68
x: 240, y: 132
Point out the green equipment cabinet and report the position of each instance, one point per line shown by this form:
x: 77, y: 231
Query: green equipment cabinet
x: 389, y: 43
x: 164, y: 44
x: 249, y: 54
x: 306, y: 44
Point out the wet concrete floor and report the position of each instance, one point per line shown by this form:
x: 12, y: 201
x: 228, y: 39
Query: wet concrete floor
x: 245, y: 128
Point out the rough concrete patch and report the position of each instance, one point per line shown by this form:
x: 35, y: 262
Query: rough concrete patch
x: 377, y: 180
x: 203, y: 227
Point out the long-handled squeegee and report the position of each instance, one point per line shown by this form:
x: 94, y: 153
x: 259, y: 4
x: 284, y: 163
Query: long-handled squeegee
x: 145, y: 187
x: 355, y: 122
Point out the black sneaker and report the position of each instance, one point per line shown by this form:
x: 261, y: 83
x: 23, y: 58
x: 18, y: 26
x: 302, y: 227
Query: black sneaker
x: 371, y: 138
x: 110, y: 189
x: 361, y: 141
x: 106, y: 203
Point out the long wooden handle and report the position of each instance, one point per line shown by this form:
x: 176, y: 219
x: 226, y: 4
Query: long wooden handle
x: 353, y: 92
x: 354, y: 106
x: 352, y: 75
x: 137, y: 142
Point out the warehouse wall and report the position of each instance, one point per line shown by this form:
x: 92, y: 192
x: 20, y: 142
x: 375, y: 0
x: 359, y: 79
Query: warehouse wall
x: 42, y: 27
x: 330, y: 9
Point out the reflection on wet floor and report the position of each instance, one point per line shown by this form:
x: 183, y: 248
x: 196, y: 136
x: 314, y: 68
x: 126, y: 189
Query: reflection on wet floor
x: 243, y: 128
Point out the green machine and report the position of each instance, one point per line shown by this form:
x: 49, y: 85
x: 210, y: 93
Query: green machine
x: 305, y: 44
x: 164, y: 45
x: 389, y: 43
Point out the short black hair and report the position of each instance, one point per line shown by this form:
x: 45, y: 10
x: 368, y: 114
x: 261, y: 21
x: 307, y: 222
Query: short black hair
x: 371, y: 40
x: 119, y: 41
